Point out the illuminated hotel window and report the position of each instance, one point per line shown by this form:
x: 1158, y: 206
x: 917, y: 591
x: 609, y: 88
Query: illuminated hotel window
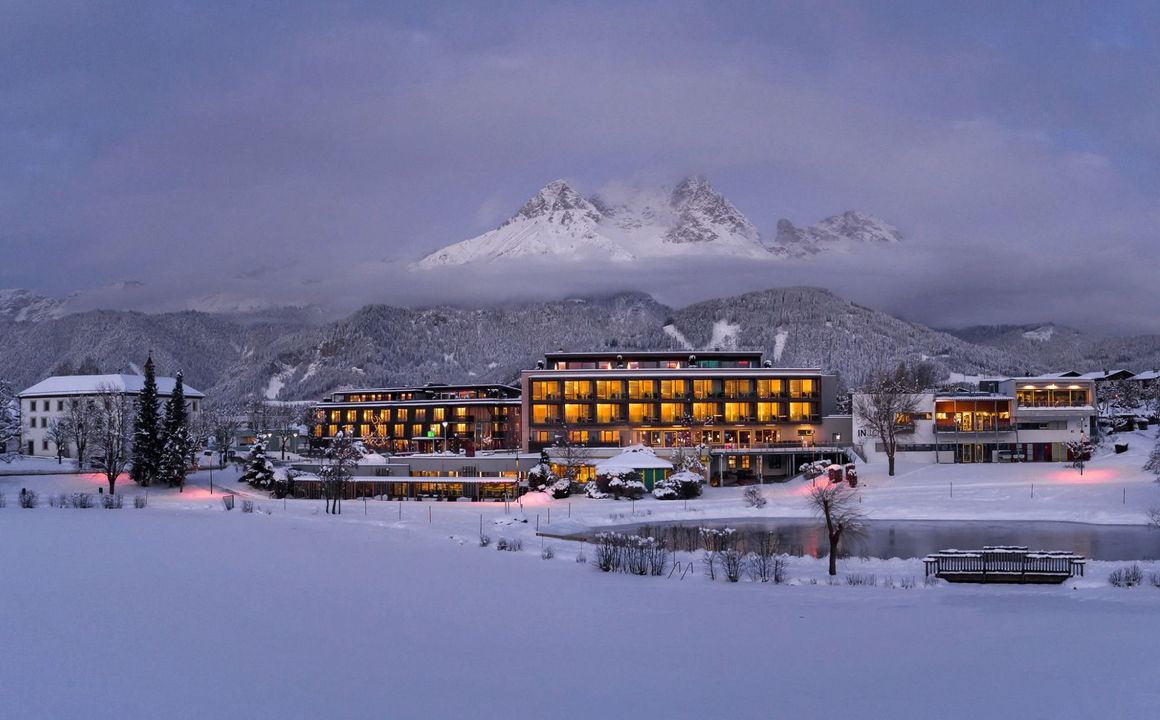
x: 575, y: 413
x: 609, y: 389
x: 439, y: 414
x: 332, y: 430
x: 545, y: 390
x: 578, y: 436
x: 335, y: 416
x: 702, y: 389
x: 766, y: 412
x: 704, y: 411
x: 736, y: 412
x: 400, y: 430
x: 801, y: 388
x: 461, y: 412
x: 401, y: 415
x: 672, y: 412
x: 799, y: 411
x: 577, y: 389
x: 637, y: 412
x: 606, y: 413
x: 541, y: 414
x: 364, y: 430
x: 351, y: 416
x: 420, y: 415
x: 641, y: 389
x: 673, y: 389
x: 416, y: 430
x: 609, y: 436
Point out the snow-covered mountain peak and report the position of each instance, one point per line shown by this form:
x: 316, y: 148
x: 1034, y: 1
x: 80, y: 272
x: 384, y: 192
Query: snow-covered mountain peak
x: 845, y: 232
x: 23, y: 305
x: 705, y: 216
x: 559, y: 202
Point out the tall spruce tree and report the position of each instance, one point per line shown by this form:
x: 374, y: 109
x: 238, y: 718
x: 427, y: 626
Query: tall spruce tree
x: 147, y: 440
x: 177, y: 442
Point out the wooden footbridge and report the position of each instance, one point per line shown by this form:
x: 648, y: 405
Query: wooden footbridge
x: 1004, y: 564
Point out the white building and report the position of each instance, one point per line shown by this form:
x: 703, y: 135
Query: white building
x: 48, y: 400
x: 1029, y: 419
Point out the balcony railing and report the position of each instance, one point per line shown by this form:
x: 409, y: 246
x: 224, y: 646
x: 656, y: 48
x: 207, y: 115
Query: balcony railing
x: 981, y: 428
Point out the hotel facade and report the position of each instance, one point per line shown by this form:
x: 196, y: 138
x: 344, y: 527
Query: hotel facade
x: 427, y: 418
x: 1023, y: 419
x: 754, y: 419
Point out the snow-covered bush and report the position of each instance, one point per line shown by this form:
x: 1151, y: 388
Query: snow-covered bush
x: 592, y: 490
x: 112, y: 502
x: 753, y: 497
x: 559, y: 489
x: 633, y: 554
x: 618, y: 484
x: 1153, y: 464
x: 732, y: 561
x: 82, y: 501
x: 541, y: 477
x: 140, y: 501
x: 547, y: 553
x: 1129, y: 576
x: 29, y: 499
x: 812, y: 470
x: 247, y: 506
x: 681, y: 485
x: 484, y: 540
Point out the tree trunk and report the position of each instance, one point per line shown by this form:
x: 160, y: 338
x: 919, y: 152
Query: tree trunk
x: 890, y: 464
x: 834, y: 553
x: 112, y: 485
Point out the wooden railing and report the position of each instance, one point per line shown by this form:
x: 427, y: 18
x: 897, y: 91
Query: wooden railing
x: 1004, y: 564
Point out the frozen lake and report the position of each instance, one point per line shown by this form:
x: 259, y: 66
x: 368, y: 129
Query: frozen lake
x: 916, y: 538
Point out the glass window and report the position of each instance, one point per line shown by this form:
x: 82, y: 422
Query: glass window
x: 637, y: 412
x: 766, y: 412
x: 606, y: 413
x: 576, y: 413
x: 672, y: 412
x: 609, y: 389
x: 545, y: 390
x: 799, y: 411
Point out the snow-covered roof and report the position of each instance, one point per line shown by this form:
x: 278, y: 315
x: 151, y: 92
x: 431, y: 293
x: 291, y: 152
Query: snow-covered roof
x: 58, y: 385
x: 634, y: 457
x: 1147, y: 375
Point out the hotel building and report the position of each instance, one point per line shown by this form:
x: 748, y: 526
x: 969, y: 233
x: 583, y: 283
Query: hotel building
x: 1028, y: 419
x: 428, y: 418
x: 754, y: 418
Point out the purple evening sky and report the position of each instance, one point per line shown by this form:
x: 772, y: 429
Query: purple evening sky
x: 306, y: 152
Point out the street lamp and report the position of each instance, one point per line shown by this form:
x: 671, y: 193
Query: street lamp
x: 444, y: 436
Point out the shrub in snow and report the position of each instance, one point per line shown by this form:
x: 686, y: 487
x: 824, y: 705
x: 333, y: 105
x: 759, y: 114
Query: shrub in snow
x: 633, y: 554
x: 541, y: 477
x: 29, y: 499
x: 510, y: 545
x: 618, y: 484
x: 247, y: 506
x: 592, y: 490
x: 484, y: 540
x: 764, y: 563
x: 3, y: 500
x: 112, y: 502
x: 1153, y: 464
x: 1129, y: 576
x: 1154, y: 578
x: 812, y: 470
x: 140, y: 501
x: 753, y: 497
x: 858, y: 579
x: 560, y: 489
x: 82, y: 500
x: 732, y: 561
x: 681, y: 485
x: 547, y: 553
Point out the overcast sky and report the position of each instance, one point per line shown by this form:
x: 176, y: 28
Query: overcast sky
x: 297, y: 152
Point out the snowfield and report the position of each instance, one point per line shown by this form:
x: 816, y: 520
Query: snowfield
x: 182, y: 610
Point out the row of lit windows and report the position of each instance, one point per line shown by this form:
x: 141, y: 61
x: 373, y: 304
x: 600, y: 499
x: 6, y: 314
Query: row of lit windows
x: 474, y: 394
x: 437, y: 414
x: 670, y: 389
x: 672, y: 413
x: 669, y: 364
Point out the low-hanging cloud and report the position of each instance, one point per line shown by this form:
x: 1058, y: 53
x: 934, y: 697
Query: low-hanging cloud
x: 309, y: 155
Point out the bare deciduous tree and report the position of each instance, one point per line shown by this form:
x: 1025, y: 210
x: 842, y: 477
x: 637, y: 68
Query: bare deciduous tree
x: 9, y: 418
x: 341, y: 459
x: 837, y: 503
x: 113, y: 439
x: 222, y: 421
x: 887, y: 406
x: 570, y: 455
x: 60, y: 434
x: 83, y: 420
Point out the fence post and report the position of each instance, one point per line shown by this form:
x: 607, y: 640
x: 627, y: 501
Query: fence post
x: 428, y: 513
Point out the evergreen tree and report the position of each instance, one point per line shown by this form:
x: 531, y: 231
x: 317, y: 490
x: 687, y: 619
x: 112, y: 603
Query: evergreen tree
x: 1153, y: 464
x: 259, y: 470
x: 177, y: 439
x: 147, y: 440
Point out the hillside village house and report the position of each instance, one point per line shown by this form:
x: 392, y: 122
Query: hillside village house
x: 48, y: 400
x: 1028, y: 419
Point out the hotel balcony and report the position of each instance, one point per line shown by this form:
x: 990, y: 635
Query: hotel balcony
x: 950, y: 427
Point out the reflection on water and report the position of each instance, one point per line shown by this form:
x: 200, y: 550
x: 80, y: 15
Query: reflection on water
x: 916, y: 538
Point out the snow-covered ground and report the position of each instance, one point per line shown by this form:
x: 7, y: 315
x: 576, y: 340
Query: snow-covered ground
x: 393, y: 610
